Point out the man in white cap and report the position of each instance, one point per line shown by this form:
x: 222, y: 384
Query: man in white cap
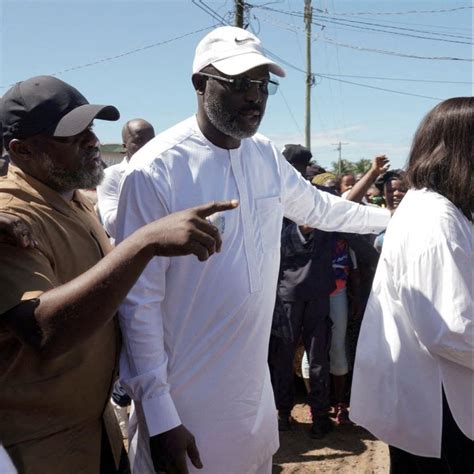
x: 196, y: 335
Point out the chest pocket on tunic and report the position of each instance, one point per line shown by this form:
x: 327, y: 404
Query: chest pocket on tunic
x: 269, y: 218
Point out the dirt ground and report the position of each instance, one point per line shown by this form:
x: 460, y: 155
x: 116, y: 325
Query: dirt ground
x: 347, y: 449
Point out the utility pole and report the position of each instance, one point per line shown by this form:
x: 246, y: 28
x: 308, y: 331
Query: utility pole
x: 239, y: 13
x: 308, y: 17
x: 339, y: 149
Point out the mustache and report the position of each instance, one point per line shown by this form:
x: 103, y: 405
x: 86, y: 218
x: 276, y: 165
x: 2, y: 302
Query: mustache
x: 91, y: 154
x: 251, y: 108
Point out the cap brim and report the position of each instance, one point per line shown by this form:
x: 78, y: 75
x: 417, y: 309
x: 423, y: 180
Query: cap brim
x: 79, y: 119
x: 244, y: 62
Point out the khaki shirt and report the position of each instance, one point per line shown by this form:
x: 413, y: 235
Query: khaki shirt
x: 51, y: 411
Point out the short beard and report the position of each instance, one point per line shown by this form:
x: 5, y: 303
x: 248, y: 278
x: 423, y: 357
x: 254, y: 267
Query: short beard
x: 65, y: 181
x: 223, y: 120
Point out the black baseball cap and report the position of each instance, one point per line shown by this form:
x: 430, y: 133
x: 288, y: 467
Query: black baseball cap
x: 48, y: 106
x: 297, y: 154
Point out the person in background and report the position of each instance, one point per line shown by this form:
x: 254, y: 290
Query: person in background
x: 59, y: 340
x: 375, y: 196
x: 135, y: 134
x: 346, y: 182
x: 413, y: 384
x: 394, y: 187
x: 391, y: 183
x: 305, y: 281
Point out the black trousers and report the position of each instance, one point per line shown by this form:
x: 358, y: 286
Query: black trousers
x: 457, y: 453
x: 309, y: 319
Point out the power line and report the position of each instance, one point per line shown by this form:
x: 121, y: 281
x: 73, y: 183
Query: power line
x: 296, y: 68
x: 397, y: 79
x: 338, y: 20
x: 207, y: 9
x: 392, y: 53
x: 121, y: 55
x: 409, y: 12
x: 289, y: 110
x: 378, y: 88
x: 348, y: 23
x: 361, y: 48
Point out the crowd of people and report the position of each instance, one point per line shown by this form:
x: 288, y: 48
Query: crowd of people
x: 209, y: 258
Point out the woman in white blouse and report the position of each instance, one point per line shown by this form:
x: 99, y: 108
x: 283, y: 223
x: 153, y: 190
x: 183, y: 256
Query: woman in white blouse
x: 413, y: 377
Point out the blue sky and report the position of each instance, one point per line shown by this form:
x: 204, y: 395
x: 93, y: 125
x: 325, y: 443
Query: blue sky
x: 154, y: 80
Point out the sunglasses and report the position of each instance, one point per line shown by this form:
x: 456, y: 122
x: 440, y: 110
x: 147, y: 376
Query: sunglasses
x: 243, y: 84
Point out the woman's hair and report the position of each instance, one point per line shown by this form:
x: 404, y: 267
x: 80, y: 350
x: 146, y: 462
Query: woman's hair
x: 441, y: 157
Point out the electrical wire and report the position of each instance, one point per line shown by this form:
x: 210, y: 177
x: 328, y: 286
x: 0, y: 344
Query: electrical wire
x: 207, y: 9
x: 327, y: 39
x: 409, y: 12
x: 296, y: 68
x: 289, y: 110
x: 355, y: 24
x: 397, y: 79
x: 378, y: 88
x: 121, y: 55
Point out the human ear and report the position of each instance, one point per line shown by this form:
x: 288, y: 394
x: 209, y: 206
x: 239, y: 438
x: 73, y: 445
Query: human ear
x: 199, y: 83
x: 20, y: 149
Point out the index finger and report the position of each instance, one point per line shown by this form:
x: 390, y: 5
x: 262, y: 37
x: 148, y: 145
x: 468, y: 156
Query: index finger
x: 216, y: 206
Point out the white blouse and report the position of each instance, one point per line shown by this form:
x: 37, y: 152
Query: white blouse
x: 417, y: 334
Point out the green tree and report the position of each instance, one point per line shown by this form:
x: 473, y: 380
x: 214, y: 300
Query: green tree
x: 362, y: 166
x: 345, y: 166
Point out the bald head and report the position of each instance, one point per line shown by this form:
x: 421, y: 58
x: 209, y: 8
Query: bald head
x: 135, y: 134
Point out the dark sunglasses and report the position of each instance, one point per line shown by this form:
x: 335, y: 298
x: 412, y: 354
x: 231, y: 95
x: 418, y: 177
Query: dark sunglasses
x: 243, y: 84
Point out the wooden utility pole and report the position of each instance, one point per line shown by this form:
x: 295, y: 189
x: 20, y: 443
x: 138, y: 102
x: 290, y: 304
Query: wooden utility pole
x: 308, y: 17
x: 339, y: 149
x: 239, y: 13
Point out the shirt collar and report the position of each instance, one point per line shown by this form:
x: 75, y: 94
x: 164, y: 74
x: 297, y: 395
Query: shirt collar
x: 44, y: 193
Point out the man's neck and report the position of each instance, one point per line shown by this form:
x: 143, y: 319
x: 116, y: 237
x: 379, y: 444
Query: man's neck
x: 215, y: 136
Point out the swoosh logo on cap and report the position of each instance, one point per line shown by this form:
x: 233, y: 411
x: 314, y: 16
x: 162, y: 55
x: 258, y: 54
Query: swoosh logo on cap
x: 243, y: 41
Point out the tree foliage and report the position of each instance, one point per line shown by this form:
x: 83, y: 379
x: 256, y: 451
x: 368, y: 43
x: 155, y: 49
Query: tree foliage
x: 346, y: 166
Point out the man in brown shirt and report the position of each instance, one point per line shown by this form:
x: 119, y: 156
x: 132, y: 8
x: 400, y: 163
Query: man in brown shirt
x: 58, y: 338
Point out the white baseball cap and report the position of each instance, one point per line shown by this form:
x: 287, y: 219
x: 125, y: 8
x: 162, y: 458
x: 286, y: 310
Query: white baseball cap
x: 232, y: 51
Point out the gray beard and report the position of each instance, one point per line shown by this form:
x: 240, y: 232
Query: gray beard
x: 66, y: 181
x: 224, y: 122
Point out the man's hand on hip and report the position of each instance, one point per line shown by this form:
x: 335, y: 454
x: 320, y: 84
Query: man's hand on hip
x: 169, y: 449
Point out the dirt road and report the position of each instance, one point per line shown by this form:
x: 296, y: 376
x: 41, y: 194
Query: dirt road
x: 347, y: 449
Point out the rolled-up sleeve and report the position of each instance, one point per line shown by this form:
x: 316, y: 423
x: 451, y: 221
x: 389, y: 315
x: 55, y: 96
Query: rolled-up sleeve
x: 143, y: 369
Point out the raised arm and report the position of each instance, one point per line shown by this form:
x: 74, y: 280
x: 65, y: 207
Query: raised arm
x: 380, y: 165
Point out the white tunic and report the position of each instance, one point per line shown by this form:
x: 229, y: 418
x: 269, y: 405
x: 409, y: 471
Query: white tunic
x: 417, y: 334
x: 196, y: 333
x: 6, y: 465
x: 108, y: 195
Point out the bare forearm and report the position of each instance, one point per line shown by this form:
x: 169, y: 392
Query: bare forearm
x: 360, y: 189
